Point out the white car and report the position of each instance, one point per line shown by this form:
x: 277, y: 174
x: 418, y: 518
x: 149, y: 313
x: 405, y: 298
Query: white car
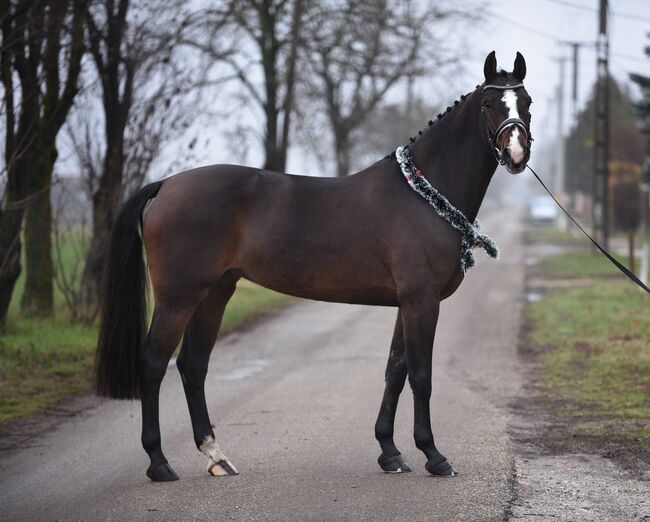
x: 542, y: 209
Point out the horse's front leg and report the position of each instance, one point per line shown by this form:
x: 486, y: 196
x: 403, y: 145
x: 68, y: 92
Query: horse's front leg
x: 391, y: 460
x: 420, y: 316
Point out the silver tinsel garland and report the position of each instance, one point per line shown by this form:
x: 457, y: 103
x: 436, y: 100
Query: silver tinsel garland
x: 471, y: 236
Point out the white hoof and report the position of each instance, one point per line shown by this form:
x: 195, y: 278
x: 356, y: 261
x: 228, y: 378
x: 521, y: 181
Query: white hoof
x: 222, y: 468
x: 218, y: 463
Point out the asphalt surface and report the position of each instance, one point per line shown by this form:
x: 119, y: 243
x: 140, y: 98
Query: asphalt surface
x: 294, y: 400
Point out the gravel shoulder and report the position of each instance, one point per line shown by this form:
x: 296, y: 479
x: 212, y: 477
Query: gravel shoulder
x: 561, y: 473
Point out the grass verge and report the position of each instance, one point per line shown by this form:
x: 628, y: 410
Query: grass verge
x: 582, y: 265
x: 550, y: 234
x: 593, y: 342
x: 45, y: 360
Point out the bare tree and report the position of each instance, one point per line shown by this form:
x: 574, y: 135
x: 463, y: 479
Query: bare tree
x: 358, y: 51
x: 390, y: 126
x: 260, y: 39
x: 71, y: 239
x: 136, y: 51
x: 42, y: 47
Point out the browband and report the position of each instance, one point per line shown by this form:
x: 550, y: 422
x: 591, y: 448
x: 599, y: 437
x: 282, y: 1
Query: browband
x: 502, y: 87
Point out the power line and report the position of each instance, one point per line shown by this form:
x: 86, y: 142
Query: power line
x: 527, y: 28
x: 624, y: 56
x: 629, y: 16
x: 549, y: 36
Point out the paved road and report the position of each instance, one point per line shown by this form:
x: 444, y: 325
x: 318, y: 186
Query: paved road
x: 294, y: 400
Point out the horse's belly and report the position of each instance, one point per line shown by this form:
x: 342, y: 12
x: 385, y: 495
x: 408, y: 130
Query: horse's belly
x: 339, y: 294
x: 323, y: 275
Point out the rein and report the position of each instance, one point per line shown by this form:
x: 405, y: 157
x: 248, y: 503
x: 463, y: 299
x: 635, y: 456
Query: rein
x: 614, y: 261
x: 471, y: 236
x: 493, y: 138
x: 493, y: 135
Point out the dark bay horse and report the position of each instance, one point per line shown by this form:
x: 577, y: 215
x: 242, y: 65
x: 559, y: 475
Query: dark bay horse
x: 365, y: 239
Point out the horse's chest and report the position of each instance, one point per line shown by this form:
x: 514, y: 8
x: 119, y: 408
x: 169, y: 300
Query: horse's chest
x: 453, y: 284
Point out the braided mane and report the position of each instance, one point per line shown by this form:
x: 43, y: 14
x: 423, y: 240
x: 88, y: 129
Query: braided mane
x: 463, y: 97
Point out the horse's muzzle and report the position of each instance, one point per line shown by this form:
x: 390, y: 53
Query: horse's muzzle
x: 514, y: 153
x: 515, y: 167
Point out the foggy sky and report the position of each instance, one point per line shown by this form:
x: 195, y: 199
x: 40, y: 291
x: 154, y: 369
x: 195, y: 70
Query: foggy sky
x: 533, y: 27
x: 510, y: 26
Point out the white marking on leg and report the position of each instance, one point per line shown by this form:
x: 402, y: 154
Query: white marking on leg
x: 212, y: 449
x: 215, y: 456
x: 514, y: 147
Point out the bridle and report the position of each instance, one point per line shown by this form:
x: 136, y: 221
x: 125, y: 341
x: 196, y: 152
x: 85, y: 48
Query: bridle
x: 493, y: 135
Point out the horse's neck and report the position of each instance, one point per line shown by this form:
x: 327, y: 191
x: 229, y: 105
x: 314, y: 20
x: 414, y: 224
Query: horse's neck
x: 454, y: 157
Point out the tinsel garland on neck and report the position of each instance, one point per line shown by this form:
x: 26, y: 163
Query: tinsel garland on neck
x: 471, y: 236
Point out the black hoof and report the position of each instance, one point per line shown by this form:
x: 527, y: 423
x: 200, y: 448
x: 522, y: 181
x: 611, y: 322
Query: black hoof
x: 441, y: 468
x: 161, y: 473
x: 393, y: 464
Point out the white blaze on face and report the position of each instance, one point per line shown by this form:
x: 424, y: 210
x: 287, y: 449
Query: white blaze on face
x: 514, y: 147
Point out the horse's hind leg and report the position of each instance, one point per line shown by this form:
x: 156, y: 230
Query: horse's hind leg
x: 391, y: 460
x: 164, y: 334
x: 200, y: 336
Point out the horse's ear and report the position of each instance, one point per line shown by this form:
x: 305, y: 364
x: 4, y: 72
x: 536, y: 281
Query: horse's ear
x: 520, y: 67
x: 490, y: 67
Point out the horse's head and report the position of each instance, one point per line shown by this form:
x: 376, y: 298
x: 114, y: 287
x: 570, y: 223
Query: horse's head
x: 505, y: 113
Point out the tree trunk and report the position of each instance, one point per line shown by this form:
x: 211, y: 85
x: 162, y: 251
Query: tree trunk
x: 10, y: 255
x: 11, y: 218
x: 38, y: 295
x: 104, y: 210
x: 342, y: 150
x: 269, y: 49
x: 96, y: 258
x: 10, y: 223
x: 273, y: 161
x: 106, y: 203
x: 291, y: 80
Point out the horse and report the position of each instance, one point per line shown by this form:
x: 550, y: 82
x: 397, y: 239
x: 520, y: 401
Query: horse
x: 365, y: 239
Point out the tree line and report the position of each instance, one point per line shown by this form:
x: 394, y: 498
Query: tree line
x: 120, y: 79
x: 628, y: 146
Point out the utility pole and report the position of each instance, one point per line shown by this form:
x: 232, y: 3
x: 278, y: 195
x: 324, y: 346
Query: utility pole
x: 560, y: 128
x: 574, y: 88
x: 560, y: 179
x: 645, y: 221
x: 600, y: 208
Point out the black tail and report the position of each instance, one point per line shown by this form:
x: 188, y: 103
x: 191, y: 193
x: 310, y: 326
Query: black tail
x: 123, y: 311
